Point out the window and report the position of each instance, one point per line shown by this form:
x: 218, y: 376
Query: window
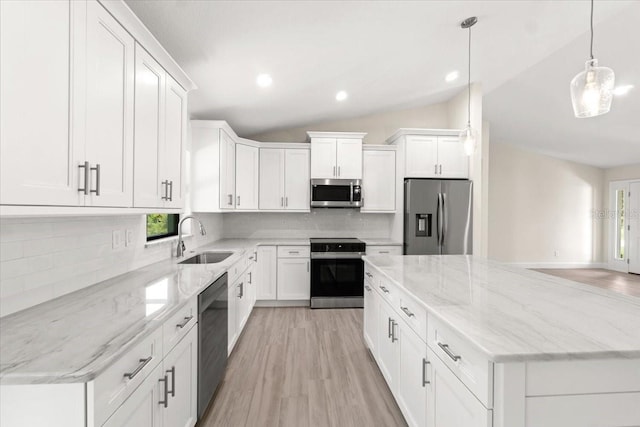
x: 162, y: 225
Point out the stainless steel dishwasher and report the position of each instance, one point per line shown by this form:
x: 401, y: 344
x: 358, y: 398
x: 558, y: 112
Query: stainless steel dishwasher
x: 212, y: 340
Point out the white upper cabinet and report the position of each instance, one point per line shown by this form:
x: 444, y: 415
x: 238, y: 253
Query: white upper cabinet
x: 452, y: 160
x: 284, y: 179
x: 336, y: 155
x: 421, y: 156
x: 246, y: 177
x: 175, y: 143
x: 378, y: 180
x: 39, y: 161
x: 227, y: 171
x: 110, y: 64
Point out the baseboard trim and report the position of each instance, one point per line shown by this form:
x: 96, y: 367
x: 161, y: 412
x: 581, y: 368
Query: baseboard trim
x: 282, y: 303
x: 560, y: 265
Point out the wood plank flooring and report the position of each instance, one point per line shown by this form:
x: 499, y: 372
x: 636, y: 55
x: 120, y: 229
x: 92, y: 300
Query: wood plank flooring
x: 624, y: 283
x: 301, y: 367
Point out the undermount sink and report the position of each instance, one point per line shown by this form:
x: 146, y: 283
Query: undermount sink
x: 207, y: 258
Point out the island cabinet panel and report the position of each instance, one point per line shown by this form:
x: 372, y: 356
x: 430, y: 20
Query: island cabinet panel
x: 371, y: 307
x: 411, y: 391
x: 388, y: 348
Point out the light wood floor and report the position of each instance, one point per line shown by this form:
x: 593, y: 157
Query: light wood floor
x: 628, y: 284
x: 301, y: 367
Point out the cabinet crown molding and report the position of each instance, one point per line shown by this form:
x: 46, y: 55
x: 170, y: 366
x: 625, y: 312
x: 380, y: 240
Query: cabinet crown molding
x: 418, y: 131
x: 354, y: 135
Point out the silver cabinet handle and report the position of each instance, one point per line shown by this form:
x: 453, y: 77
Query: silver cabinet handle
x: 393, y: 331
x: 170, y: 185
x: 445, y: 348
x: 367, y: 288
x: 97, y: 169
x: 172, y: 371
x: 85, y: 168
x: 165, y: 402
x: 424, y: 373
x: 230, y: 199
x: 407, y: 312
x: 383, y: 252
x: 286, y: 202
x: 184, y: 323
x: 294, y: 252
x: 368, y: 274
x: 250, y: 278
x: 255, y: 256
x: 435, y: 169
x: 440, y: 171
x: 143, y: 363
x: 384, y: 289
x: 389, y: 328
x: 241, y: 288
x: 282, y: 201
x: 338, y: 171
x: 237, y: 200
x: 165, y: 187
x: 307, y: 266
x: 334, y: 171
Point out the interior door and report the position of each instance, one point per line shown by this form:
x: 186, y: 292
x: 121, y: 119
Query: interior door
x: 457, y: 205
x: 175, y: 140
x: 271, y: 192
x: 634, y: 227
x: 110, y: 77
x: 421, y: 207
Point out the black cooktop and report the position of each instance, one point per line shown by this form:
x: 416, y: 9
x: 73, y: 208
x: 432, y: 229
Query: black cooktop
x: 338, y: 244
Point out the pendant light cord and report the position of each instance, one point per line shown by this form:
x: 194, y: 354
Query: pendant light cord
x: 469, y: 83
x: 591, y: 47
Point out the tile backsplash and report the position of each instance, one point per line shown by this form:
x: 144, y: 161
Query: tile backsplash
x: 43, y: 258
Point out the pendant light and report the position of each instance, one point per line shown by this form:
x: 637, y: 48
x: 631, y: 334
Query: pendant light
x: 468, y: 135
x: 592, y: 89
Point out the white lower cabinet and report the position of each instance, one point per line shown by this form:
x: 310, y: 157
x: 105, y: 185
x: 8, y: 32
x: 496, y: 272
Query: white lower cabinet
x: 266, y: 273
x: 388, y: 347
x: 294, y: 279
x: 242, y: 297
x: 371, y: 307
x: 411, y: 390
x: 233, y: 309
x: 449, y: 402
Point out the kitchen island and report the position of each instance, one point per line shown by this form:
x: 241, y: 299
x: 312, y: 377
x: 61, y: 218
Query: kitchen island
x: 466, y: 341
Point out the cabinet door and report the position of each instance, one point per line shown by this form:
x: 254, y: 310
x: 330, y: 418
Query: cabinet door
x: 371, y: 317
x: 411, y: 388
x: 181, y: 368
x: 227, y: 172
x: 39, y: 155
x: 379, y: 181
x: 244, y: 303
x: 142, y: 408
x: 294, y: 279
x: 449, y: 402
x: 246, y: 177
x: 296, y: 180
x: 232, y: 319
x: 452, y: 158
x: 271, y: 179
x: 349, y: 158
x: 110, y: 63
x: 175, y: 142
x: 323, y: 158
x: 149, y: 189
x: 388, y: 349
x: 266, y: 276
x: 421, y: 157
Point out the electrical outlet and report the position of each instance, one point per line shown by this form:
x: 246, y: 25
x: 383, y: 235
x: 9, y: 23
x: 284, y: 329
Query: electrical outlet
x: 129, y: 238
x: 117, y: 239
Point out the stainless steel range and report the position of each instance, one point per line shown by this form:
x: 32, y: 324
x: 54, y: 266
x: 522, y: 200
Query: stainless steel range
x: 337, y: 273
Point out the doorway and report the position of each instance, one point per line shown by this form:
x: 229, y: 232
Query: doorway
x: 624, y: 229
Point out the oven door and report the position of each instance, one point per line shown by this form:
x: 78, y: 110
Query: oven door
x: 335, y: 278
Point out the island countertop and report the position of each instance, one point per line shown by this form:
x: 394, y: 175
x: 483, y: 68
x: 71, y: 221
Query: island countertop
x: 513, y: 314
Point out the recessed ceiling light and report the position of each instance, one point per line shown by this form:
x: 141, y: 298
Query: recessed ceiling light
x: 341, y: 96
x: 622, y: 90
x: 264, y: 80
x: 452, y: 76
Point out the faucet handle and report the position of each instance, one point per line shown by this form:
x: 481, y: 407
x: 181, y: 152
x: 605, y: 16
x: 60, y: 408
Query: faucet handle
x: 183, y: 246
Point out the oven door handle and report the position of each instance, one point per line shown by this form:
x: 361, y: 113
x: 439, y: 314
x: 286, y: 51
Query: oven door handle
x: 324, y: 255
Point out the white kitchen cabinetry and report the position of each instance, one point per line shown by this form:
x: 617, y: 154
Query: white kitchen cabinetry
x: 431, y: 153
x: 246, y: 177
x: 379, y: 180
x: 241, y: 299
x: 294, y: 273
x: 411, y: 391
x: 371, y: 304
x: 284, y: 179
x: 388, y: 346
x: 336, y: 155
x: 227, y: 171
x: 159, y: 135
x: 266, y: 274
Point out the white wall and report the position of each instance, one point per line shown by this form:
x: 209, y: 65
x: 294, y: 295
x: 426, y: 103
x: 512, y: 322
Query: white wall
x: 318, y: 223
x: 539, y: 204
x: 44, y: 258
x: 379, y: 126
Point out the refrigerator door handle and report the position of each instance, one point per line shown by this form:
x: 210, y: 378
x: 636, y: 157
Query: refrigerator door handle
x: 438, y: 219
x: 444, y: 218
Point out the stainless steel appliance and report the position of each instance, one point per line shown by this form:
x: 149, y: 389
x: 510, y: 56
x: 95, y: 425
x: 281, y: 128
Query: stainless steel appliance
x: 337, y: 273
x: 336, y: 193
x: 437, y: 216
x: 212, y: 340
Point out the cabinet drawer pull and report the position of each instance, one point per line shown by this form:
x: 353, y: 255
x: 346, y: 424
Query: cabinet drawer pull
x: 440, y: 171
x: 338, y: 171
x: 230, y: 196
x: 367, y: 288
x: 445, y: 348
x: 97, y: 190
x: 334, y: 171
x: 282, y: 201
x: 385, y: 290
x: 369, y: 275
x: 389, y: 328
x: 255, y: 256
x: 294, y: 252
x: 143, y: 363
x: 165, y: 402
x: 237, y: 200
x: 241, y: 288
x: 424, y: 373
x: 393, y: 331
x: 85, y: 168
x: 407, y: 312
x: 172, y: 371
x: 184, y: 323
x: 383, y: 252
x: 165, y: 187
x: 435, y: 169
x: 286, y: 202
x: 250, y: 277
x: 171, y: 191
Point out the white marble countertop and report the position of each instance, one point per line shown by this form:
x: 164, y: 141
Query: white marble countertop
x: 75, y: 337
x: 513, y: 314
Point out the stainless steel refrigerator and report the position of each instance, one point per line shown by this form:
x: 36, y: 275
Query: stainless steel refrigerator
x: 437, y: 216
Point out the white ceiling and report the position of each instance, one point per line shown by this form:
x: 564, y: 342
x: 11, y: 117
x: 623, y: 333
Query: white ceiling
x: 392, y: 55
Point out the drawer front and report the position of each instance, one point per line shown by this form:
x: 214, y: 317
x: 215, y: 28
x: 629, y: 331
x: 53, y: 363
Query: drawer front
x: 114, y: 385
x: 413, y: 314
x: 384, y: 250
x: 471, y: 366
x: 294, y: 251
x: 178, y: 325
x: 388, y: 290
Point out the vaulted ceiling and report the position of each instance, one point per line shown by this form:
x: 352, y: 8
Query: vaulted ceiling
x: 393, y: 55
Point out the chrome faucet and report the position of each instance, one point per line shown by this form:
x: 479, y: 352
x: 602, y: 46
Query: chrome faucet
x: 180, y: 249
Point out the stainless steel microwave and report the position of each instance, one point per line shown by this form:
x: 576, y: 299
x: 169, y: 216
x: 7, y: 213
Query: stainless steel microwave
x: 336, y: 193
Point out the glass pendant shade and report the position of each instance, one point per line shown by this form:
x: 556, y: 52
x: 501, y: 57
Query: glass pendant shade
x: 592, y: 90
x: 468, y: 139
